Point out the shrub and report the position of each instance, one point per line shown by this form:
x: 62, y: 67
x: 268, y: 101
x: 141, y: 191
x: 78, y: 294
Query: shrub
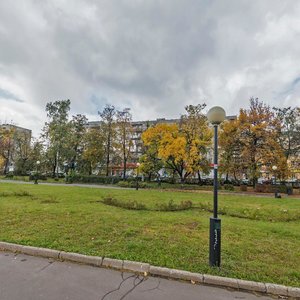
x: 171, y: 206
x: 260, y: 188
x: 170, y: 180
x: 9, y: 175
x: 281, y: 188
x: 134, y: 205
x: 132, y: 184
x: 70, y: 177
x: 39, y: 177
x: 267, y: 188
x: 124, y: 184
x: 228, y: 187
x: 243, y: 188
x: 18, y: 194
x: 91, y: 179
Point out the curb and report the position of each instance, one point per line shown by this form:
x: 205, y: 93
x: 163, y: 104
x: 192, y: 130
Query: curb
x: 147, y: 269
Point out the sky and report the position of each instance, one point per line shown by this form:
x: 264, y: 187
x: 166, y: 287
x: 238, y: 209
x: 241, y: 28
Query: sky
x: 152, y: 56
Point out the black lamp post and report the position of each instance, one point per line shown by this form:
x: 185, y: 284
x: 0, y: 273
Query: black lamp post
x: 274, y: 168
x: 137, y: 176
x: 215, y: 116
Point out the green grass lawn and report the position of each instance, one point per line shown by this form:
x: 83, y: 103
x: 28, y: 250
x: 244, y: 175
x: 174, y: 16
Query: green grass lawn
x: 260, y: 235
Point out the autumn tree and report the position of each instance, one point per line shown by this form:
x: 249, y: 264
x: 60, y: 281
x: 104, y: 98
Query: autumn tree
x: 256, y: 137
x: 154, y: 138
x: 151, y: 164
x: 107, y: 125
x: 230, y: 154
x: 6, y: 147
x: 93, y: 155
x: 198, y: 137
x: 181, y: 148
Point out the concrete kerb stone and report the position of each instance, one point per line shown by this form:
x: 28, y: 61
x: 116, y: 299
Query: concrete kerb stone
x: 11, y: 247
x: 112, y: 263
x: 221, y: 281
x: 276, y: 289
x: 188, y: 276
x: 136, y: 266
x: 252, y: 286
x: 159, y: 271
x: 80, y: 258
x: 294, y: 292
x: 44, y: 252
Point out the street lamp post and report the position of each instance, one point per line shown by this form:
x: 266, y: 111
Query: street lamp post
x: 215, y: 116
x: 274, y: 168
x: 66, y: 169
x: 137, y: 176
x: 36, y: 173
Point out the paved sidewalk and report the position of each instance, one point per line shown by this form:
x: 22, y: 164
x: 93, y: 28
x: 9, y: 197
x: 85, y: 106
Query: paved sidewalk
x: 100, y: 186
x: 96, y: 186
x: 35, y: 278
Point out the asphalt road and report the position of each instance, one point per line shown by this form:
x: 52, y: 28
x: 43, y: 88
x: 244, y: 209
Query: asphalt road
x: 24, y: 277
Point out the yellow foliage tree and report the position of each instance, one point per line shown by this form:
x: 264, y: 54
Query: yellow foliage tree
x: 251, y: 142
x: 6, y: 147
x: 230, y: 156
x: 182, y: 148
x: 93, y: 149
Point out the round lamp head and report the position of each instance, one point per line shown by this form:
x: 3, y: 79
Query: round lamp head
x: 274, y: 168
x: 38, y: 162
x: 216, y: 115
x: 138, y: 164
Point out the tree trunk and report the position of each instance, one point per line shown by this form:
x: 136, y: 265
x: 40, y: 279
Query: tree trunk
x: 124, y: 169
x: 107, y: 156
x: 199, y: 177
x: 182, y: 177
x: 6, y: 168
x: 53, y: 171
x: 234, y: 175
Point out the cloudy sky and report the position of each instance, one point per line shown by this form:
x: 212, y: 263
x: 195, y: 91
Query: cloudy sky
x: 152, y: 56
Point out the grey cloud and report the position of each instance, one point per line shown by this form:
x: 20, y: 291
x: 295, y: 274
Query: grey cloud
x: 154, y: 56
x: 9, y: 96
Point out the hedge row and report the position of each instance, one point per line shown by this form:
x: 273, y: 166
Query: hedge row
x: 92, y: 179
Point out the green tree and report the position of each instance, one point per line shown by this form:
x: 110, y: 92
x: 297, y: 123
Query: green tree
x: 75, y: 140
x: 93, y: 155
x: 151, y: 164
x: 289, y: 130
x: 124, y: 135
x: 108, y: 128
x: 22, y: 152
x: 55, y: 134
